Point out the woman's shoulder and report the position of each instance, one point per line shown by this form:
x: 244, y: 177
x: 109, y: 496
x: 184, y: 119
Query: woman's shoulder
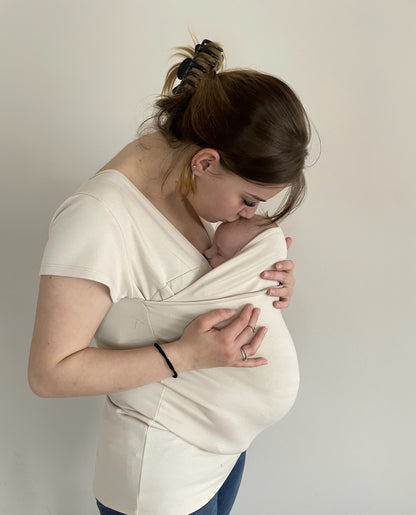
x: 104, y: 182
x: 111, y: 188
x: 105, y: 198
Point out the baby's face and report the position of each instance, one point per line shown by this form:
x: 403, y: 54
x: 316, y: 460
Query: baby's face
x: 229, y: 238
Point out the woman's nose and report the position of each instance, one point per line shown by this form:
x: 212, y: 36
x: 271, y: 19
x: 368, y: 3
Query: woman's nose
x: 248, y: 212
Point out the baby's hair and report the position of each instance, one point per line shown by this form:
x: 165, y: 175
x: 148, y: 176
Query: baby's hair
x: 257, y: 224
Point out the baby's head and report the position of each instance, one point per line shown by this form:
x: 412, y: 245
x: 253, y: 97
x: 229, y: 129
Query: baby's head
x: 231, y: 237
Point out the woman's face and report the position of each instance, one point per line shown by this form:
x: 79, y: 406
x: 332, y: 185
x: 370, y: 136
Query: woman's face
x: 222, y: 196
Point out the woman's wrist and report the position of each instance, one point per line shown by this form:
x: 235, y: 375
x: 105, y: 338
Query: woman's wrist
x: 168, y: 362
x: 178, y: 355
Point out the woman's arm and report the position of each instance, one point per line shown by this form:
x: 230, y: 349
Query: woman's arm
x: 69, y: 311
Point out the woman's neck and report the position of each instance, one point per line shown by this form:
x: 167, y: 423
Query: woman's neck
x: 152, y: 165
x: 156, y: 166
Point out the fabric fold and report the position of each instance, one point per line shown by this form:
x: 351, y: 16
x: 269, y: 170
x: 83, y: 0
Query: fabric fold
x: 223, y: 409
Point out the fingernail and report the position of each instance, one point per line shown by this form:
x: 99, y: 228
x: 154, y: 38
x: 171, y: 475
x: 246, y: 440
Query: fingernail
x: 229, y: 311
x: 266, y: 275
x: 279, y: 265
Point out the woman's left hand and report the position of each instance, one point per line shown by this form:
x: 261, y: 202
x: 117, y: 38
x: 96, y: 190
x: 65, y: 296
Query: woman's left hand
x: 283, y: 274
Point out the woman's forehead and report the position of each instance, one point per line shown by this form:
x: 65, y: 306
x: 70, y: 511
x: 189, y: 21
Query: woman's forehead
x: 265, y: 189
x: 260, y: 191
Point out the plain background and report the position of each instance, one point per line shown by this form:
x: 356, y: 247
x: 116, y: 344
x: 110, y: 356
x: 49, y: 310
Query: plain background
x: 77, y: 77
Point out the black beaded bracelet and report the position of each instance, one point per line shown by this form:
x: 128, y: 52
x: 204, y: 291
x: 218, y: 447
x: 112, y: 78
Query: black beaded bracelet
x: 159, y: 348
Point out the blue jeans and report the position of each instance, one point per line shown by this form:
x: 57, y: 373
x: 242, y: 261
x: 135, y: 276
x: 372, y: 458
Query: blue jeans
x: 220, y: 504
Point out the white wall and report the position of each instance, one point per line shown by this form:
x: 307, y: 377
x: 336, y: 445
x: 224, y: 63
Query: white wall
x: 76, y: 79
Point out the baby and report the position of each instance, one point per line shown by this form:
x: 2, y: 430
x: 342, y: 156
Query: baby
x: 231, y: 237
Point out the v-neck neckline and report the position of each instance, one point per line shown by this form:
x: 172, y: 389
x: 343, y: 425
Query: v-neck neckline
x: 160, y: 215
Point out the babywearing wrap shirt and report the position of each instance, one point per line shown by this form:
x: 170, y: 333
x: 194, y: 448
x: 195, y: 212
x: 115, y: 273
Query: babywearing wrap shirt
x: 166, y: 448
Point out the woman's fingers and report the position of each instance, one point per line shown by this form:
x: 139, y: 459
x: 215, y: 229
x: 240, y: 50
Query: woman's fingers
x: 285, y: 283
x: 240, y: 323
x: 254, y: 319
x: 252, y: 347
x: 242, y: 333
x: 249, y: 342
x: 252, y: 362
x: 256, y: 341
x: 283, y: 276
x: 212, y: 347
x: 286, y: 264
x: 284, y: 295
x: 281, y: 303
x: 209, y: 320
x: 286, y: 267
x: 282, y: 291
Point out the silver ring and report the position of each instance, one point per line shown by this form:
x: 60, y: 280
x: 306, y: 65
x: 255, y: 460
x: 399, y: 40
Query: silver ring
x: 243, y: 354
x: 252, y: 328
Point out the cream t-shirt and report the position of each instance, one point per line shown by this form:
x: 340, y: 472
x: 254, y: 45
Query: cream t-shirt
x: 109, y: 232
x: 166, y: 448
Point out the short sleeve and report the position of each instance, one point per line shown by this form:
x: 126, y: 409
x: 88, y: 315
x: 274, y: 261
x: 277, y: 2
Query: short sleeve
x: 85, y: 241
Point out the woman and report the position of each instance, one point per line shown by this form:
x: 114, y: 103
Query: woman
x: 222, y: 143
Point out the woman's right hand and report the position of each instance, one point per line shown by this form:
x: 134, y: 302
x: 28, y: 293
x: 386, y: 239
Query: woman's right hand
x: 63, y: 364
x: 211, y: 347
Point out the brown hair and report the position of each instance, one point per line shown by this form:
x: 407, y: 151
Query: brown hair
x: 254, y: 120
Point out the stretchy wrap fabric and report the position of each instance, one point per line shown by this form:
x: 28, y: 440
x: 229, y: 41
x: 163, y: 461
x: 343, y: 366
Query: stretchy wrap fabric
x: 153, y: 436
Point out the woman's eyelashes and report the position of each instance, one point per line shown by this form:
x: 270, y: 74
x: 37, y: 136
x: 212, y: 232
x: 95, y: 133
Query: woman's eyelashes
x: 248, y: 203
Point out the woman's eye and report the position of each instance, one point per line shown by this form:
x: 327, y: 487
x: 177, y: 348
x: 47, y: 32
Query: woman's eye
x: 249, y: 204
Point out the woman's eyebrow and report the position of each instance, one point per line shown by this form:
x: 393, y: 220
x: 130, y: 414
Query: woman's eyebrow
x: 256, y: 197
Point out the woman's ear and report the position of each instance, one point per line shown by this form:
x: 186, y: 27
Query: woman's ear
x: 204, y: 160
